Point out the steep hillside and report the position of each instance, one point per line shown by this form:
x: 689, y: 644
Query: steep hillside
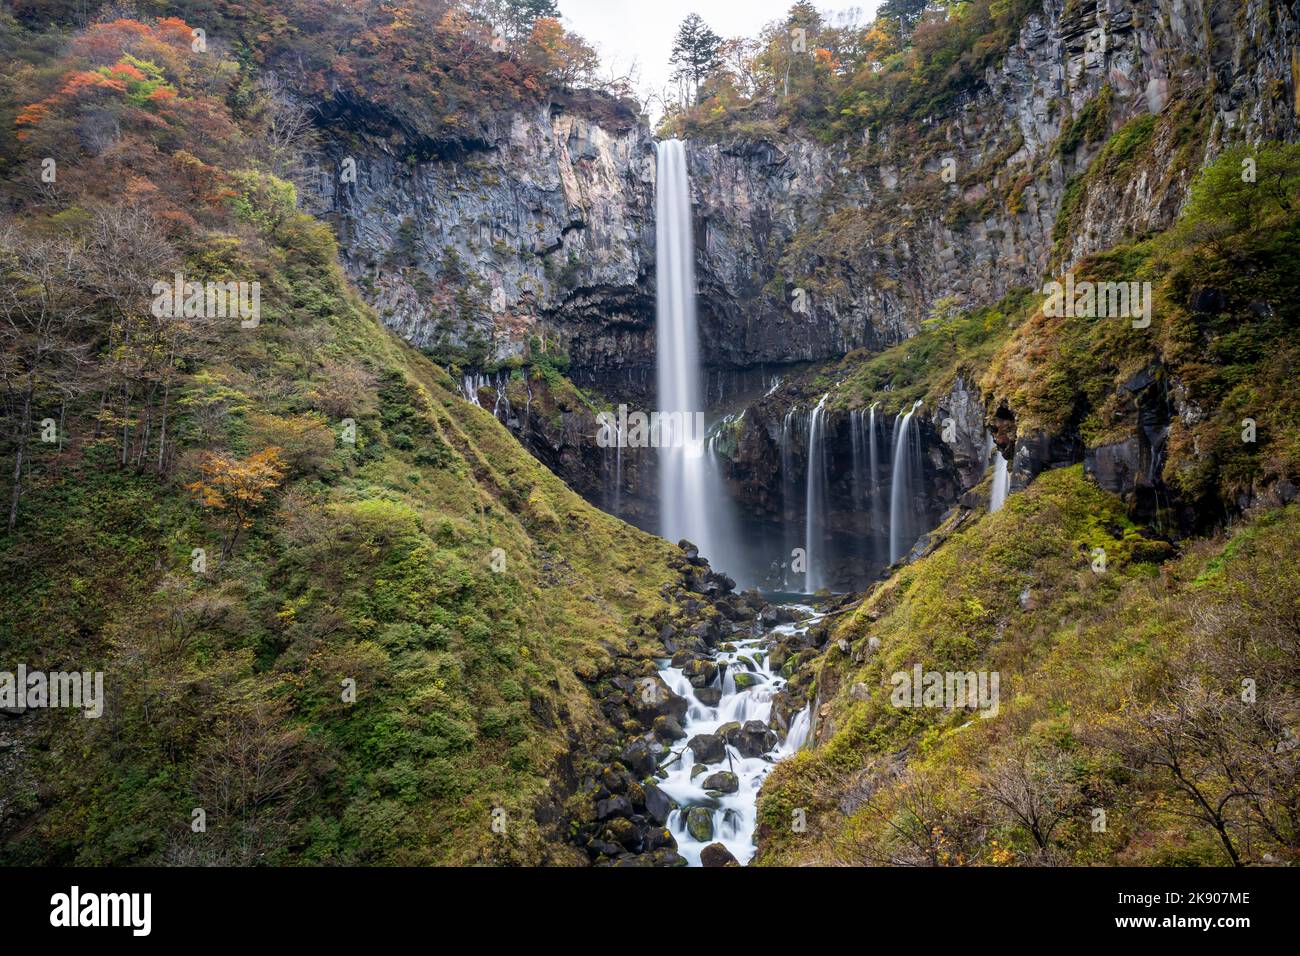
x: 338, y: 609
x: 1146, y: 709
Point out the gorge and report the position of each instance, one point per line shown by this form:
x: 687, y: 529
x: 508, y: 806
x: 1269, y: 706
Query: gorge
x: 587, y: 288
x: 585, y: 479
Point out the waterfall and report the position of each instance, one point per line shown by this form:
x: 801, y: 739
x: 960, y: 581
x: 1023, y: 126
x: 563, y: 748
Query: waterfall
x: 856, y: 435
x: 787, y: 488
x: 469, y: 386
x: 618, y: 473
x: 614, y: 485
x: 797, y: 736
x: 1001, y: 482
x: 873, y: 487
x: 866, y: 478
x: 815, y: 497
x: 683, y: 475
x: 906, y: 478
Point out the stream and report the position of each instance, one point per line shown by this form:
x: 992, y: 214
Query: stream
x: 716, y: 777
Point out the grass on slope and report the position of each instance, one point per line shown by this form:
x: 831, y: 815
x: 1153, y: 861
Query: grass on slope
x: 1103, y: 676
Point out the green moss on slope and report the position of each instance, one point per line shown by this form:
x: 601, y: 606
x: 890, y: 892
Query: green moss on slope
x: 1093, y: 668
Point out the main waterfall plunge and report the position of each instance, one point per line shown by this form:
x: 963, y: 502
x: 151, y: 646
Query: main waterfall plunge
x: 692, y: 501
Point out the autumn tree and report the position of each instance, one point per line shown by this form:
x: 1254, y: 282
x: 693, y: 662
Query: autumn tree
x: 254, y: 771
x: 910, y: 818
x: 287, y: 131
x: 237, y: 488
x: 127, y: 252
x: 566, y: 59
x: 736, y: 60
x: 906, y: 13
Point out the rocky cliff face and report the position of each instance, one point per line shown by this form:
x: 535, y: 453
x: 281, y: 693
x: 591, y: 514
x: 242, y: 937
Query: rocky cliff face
x: 752, y: 199
x: 1087, y: 134
x: 539, y: 228
x: 808, y: 251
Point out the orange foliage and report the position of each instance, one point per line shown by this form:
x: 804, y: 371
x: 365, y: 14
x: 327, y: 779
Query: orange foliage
x: 238, y: 487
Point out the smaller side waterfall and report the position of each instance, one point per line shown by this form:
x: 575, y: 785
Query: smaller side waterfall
x: 1001, y: 482
x: 788, y: 491
x: 866, y: 481
x: 906, y: 479
x: 815, y: 497
x: 470, y: 384
x: 797, y: 736
x: 873, y: 465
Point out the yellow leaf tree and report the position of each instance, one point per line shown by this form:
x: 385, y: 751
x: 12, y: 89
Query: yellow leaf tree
x: 237, y: 487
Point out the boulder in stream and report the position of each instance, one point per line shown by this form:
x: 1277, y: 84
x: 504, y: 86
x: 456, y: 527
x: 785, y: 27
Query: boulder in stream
x: 708, y: 748
x: 709, y: 696
x: 700, y: 672
x: 754, y: 739
x: 715, y: 854
x: 667, y: 727
x: 699, y: 824
x: 724, y: 781
x: 652, y: 698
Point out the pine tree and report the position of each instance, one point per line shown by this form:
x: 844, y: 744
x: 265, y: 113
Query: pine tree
x: 695, y: 52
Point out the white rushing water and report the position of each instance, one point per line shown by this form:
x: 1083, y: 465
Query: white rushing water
x: 691, y: 501
x: 906, y: 479
x: 733, y: 816
x: 1001, y: 482
x: 815, y: 498
x: 788, y: 492
x: 866, y: 477
x: 877, y: 508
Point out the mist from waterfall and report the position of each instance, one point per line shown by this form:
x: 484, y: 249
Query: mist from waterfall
x: 691, y: 500
x: 905, y: 485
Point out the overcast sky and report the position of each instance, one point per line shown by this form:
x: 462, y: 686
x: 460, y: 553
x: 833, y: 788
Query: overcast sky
x: 642, y: 30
